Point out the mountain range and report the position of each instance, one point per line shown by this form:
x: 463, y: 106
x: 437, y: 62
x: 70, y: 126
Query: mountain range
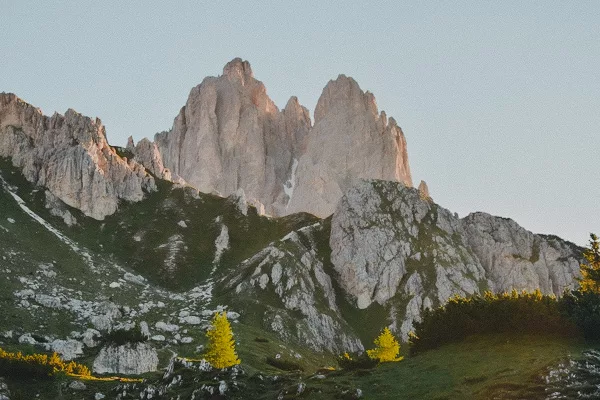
x: 304, y: 229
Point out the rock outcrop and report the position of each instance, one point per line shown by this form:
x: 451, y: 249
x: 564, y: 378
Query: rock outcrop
x: 69, y: 155
x: 231, y: 136
x: 349, y: 141
x: 128, y: 359
x: 288, y: 281
x: 394, y: 247
x: 147, y: 154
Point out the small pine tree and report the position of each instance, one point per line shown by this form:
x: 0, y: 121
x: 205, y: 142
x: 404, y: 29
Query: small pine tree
x: 387, y: 348
x: 590, y: 271
x: 221, y: 346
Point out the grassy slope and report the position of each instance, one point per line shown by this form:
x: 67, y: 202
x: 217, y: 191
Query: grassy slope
x: 155, y: 221
x: 485, y: 367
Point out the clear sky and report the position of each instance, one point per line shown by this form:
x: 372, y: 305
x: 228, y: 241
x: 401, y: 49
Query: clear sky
x: 499, y: 101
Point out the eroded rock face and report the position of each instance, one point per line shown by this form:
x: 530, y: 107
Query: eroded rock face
x: 231, y: 136
x: 515, y: 258
x: 394, y: 246
x: 148, y: 155
x: 129, y: 359
x: 349, y: 141
x: 69, y: 155
x: 292, y: 271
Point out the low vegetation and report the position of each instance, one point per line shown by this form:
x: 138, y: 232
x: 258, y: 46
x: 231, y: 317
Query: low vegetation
x: 119, y: 337
x: 19, y: 365
x: 576, y: 313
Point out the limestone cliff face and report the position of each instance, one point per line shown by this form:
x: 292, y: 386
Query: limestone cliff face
x: 349, y: 141
x: 231, y: 136
x: 394, y: 246
x: 69, y: 155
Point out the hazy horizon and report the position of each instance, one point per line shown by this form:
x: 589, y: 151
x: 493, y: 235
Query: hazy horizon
x: 499, y: 102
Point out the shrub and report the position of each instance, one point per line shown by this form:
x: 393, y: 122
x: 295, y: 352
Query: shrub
x: 583, y: 309
x: 489, y: 313
x: 22, y: 366
x: 119, y: 337
x: 283, y: 364
x: 352, y: 362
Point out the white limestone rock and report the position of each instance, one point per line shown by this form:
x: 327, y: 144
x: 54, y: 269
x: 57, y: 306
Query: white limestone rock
x: 383, y: 231
x: 350, y: 140
x: 515, y: 258
x: 67, y: 349
x: 129, y: 359
x: 147, y: 154
x: 291, y: 271
x: 69, y: 155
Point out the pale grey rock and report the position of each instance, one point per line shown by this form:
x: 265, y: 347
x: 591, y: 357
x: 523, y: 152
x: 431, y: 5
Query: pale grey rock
x: 99, y: 396
x: 145, y: 329
x: 130, y: 144
x: 47, y: 301
x: 105, y: 316
x: 515, y: 258
x: 162, y: 326
x: 192, y: 320
x: 77, y: 386
x: 350, y: 140
x: 67, y: 349
x: 231, y: 139
x: 89, y: 337
x: 69, y: 155
x: 392, y: 245
x: 129, y: 359
x: 221, y: 244
x: 27, y: 339
x: 59, y: 209
x: 147, y: 154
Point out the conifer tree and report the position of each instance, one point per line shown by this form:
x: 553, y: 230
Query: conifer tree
x: 221, y: 346
x: 387, y: 348
x: 590, y: 271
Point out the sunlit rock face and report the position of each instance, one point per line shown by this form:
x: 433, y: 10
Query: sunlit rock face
x: 69, y: 155
x: 230, y: 136
x: 349, y: 141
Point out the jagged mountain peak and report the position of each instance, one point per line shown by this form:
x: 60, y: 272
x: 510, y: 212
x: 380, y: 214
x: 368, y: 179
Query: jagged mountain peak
x: 238, y: 69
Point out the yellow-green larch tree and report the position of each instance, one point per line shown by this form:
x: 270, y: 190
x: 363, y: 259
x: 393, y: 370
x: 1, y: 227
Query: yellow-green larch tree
x: 220, y: 351
x: 590, y: 270
x: 387, y: 348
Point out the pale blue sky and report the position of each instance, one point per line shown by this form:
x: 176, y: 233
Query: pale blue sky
x: 499, y: 101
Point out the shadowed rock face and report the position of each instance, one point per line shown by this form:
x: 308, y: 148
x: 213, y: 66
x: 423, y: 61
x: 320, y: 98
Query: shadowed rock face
x: 69, y: 155
x: 231, y: 136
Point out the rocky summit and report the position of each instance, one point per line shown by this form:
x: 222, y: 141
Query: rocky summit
x: 301, y: 229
